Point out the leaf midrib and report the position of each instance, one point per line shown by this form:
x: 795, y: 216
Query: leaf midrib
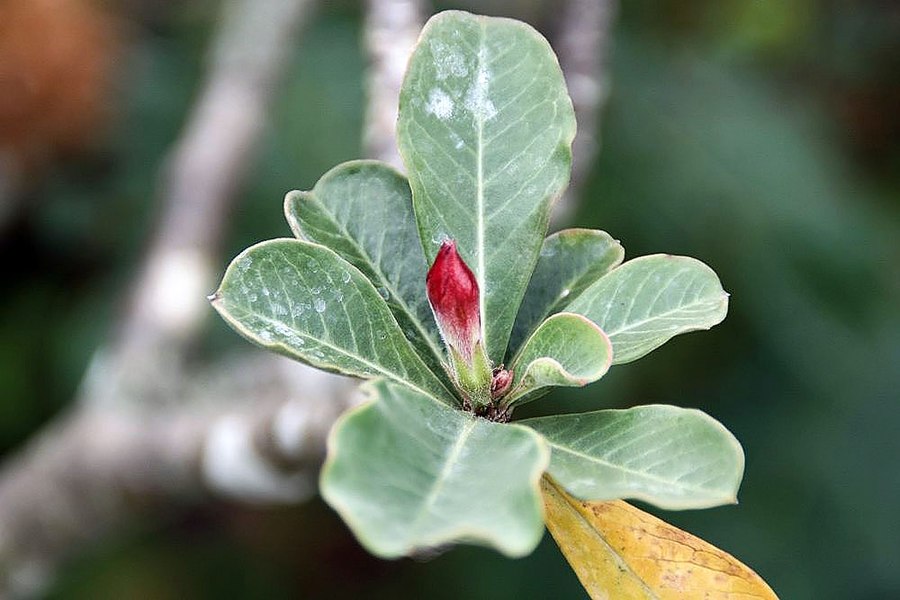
x: 620, y: 560
x: 560, y: 303
x: 449, y: 462
x: 383, y: 279
x: 338, y: 350
x: 662, y: 315
x: 606, y: 463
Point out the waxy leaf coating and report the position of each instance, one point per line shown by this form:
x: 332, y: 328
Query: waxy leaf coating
x: 570, y: 261
x: 566, y: 350
x: 675, y: 458
x: 362, y: 210
x: 408, y: 473
x: 647, y: 301
x: 485, y: 130
x: 306, y: 302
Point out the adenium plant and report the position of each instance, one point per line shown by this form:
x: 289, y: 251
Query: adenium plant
x: 443, y: 292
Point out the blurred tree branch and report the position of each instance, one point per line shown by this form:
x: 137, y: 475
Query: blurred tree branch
x: 391, y: 30
x: 199, y: 183
x: 583, y: 43
x: 146, y: 431
x: 73, y: 482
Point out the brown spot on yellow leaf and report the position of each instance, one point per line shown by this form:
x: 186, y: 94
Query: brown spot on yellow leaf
x: 619, y: 551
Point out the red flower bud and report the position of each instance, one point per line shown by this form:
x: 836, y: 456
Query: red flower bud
x: 501, y: 382
x: 453, y: 294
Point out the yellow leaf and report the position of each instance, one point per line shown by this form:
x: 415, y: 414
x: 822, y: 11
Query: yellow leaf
x: 622, y: 553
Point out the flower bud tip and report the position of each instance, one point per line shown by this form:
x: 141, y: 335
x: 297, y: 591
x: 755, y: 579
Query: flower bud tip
x: 454, y: 297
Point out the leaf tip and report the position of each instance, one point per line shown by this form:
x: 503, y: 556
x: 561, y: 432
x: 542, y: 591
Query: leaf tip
x: 290, y: 207
x: 290, y: 198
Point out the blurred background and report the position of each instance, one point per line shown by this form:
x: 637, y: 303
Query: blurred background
x: 762, y: 137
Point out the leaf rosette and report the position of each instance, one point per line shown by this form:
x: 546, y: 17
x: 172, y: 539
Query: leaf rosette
x: 426, y: 284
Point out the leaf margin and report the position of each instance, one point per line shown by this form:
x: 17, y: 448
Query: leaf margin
x: 525, y: 323
x: 562, y: 151
x: 461, y: 535
x: 441, y: 393
x: 518, y: 396
x: 714, y: 424
x: 427, y: 341
x: 706, y: 324
x: 616, y: 566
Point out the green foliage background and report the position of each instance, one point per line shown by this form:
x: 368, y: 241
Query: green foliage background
x: 762, y: 137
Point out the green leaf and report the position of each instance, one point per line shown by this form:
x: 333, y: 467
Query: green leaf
x: 363, y: 211
x: 306, y: 302
x: 649, y: 300
x: 407, y: 473
x: 569, y: 262
x: 672, y: 457
x: 485, y: 130
x: 566, y: 350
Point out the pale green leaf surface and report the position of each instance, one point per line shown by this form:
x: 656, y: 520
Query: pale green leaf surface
x: 674, y: 458
x: 306, y: 302
x: 565, y: 350
x: 485, y: 129
x: 570, y: 261
x: 648, y: 300
x: 407, y: 473
x: 363, y: 211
